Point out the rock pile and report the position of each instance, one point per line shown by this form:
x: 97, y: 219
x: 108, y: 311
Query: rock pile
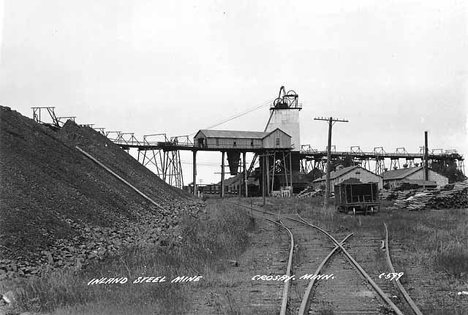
x: 96, y: 243
x: 58, y: 209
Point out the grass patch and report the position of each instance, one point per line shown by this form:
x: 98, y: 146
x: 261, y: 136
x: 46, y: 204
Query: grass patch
x: 205, y: 244
x: 453, y: 261
x: 443, y: 306
x: 326, y: 309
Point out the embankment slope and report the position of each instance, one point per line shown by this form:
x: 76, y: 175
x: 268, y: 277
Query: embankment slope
x: 50, y: 193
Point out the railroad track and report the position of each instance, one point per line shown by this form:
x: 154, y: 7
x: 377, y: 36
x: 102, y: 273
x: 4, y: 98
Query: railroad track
x: 344, y: 291
x: 349, y: 295
x: 267, y: 295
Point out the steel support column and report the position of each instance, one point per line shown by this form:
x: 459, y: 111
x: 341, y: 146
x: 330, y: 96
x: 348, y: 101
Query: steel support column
x: 290, y: 172
x: 222, y: 174
x: 195, y: 172
x: 246, y: 182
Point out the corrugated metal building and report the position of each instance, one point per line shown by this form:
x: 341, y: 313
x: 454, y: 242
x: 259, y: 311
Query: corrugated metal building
x: 287, y: 119
x: 348, y: 173
x: 412, y: 175
x: 230, y: 139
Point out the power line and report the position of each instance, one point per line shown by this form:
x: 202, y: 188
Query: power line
x: 265, y: 103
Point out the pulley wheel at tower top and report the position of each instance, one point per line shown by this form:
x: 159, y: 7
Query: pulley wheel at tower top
x: 279, y: 103
x: 291, y: 93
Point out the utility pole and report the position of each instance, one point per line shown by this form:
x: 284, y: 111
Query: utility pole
x: 330, y: 120
x: 426, y: 157
x: 426, y: 161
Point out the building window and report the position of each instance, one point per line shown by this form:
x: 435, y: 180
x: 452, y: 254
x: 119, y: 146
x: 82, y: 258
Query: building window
x: 235, y: 144
x: 277, y: 141
x: 217, y: 141
x: 251, y: 143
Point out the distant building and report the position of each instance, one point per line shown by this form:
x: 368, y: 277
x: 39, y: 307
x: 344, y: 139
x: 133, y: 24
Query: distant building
x: 413, y: 175
x: 233, y: 184
x: 351, y: 174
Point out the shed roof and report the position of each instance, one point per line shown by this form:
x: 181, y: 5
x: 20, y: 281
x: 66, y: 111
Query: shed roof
x: 236, y: 134
x: 400, y: 173
x: 342, y: 172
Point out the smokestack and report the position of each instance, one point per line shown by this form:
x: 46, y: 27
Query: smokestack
x: 426, y: 160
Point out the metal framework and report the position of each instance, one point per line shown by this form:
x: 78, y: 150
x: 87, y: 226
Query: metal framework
x: 376, y: 160
x: 307, y: 166
x: 286, y: 99
x: 38, y: 113
x: 276, y: 168
x: 157, y: 153
x: 172, y: 169
x: 100, y: 130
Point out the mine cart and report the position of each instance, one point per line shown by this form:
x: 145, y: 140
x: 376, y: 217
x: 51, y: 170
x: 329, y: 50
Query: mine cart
x: 357, y: 198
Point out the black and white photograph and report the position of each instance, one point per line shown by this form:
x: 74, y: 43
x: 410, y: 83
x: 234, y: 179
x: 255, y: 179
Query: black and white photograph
x: 233, y: 157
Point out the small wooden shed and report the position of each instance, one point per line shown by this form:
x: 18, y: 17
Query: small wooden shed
x: 350, y: 172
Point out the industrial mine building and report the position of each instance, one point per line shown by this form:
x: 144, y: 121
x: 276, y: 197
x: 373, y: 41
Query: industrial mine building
x: 279, y: 162
x: 413, y: 175
x: 251, y: 140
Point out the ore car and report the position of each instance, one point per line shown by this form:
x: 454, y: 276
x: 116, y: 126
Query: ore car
x: 357, y: 198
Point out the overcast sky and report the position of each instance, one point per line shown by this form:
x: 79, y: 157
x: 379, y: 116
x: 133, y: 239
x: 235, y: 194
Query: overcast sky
x: 392, y: 68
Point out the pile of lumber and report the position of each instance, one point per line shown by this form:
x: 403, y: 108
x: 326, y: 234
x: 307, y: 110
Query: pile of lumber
x: 310, y: 193
x: 411, y: 200
x: 454, y: 196
x: 306, y: 190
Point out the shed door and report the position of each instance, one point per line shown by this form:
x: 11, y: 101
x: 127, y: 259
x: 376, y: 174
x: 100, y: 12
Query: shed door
x: 201, y: 142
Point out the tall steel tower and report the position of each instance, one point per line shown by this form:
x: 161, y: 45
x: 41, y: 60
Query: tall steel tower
x: 284, y: 114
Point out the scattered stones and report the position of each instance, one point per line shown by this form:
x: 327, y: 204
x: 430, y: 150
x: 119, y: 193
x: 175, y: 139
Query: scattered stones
x: 9, y: 297
x: 234, y: 263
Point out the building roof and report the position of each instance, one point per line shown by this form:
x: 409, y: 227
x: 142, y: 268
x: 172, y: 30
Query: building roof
x: 236, y: 134
x: 342, y: 172
x: 232, y: 180
x: 400, y: 173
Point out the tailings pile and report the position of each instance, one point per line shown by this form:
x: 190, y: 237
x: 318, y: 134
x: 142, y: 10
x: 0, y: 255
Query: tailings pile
x: 58, y: 208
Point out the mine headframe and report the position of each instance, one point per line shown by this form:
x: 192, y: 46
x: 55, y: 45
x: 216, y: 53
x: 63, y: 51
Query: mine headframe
x: 285, y: 99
